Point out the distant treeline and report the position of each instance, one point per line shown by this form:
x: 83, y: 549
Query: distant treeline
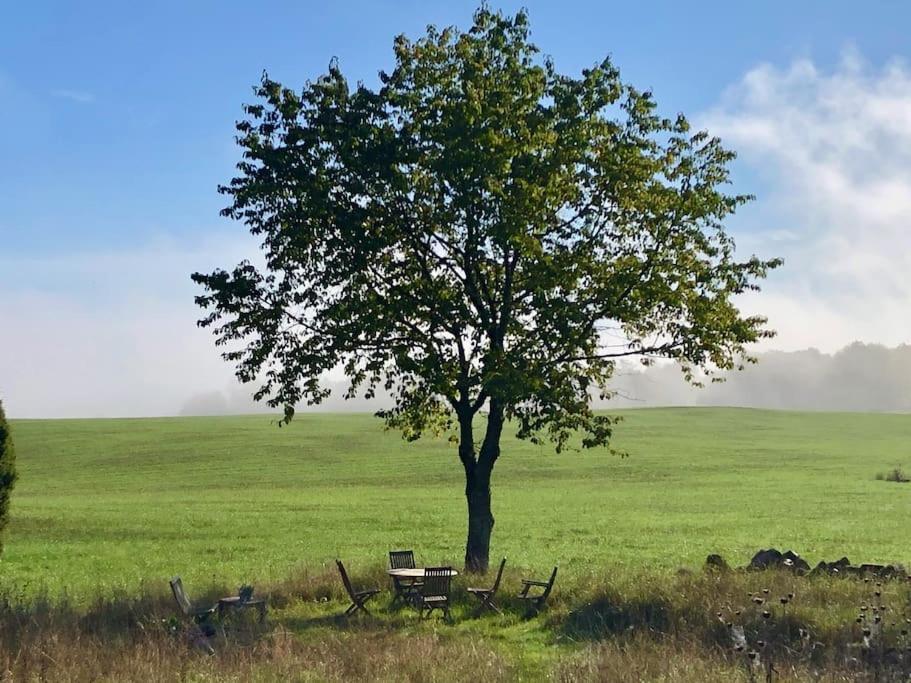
x: 859, y: 377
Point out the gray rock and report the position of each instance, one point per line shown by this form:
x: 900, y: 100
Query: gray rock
x: 774, y: 559
x: 795, y: 562
x: 881, y: 571
x: 715, y: 562
x: 821, y: 568
x: 831, y: 568
x: 766, y: 559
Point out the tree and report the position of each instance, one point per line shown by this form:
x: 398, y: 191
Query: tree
x: 479, y: 231
x: 7, y: 472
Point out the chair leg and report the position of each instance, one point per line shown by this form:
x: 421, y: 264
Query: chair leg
x: 201, y: 640
x: 486, y: 602
x: 491, y: 605
x: 398, y: 593
x: 534, y: 609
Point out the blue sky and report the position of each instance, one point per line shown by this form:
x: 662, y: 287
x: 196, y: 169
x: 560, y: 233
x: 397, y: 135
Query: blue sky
x: 117, y: 117
x: 117, y: 124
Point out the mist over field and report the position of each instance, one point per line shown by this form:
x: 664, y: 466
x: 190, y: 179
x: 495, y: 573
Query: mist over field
x: 859, y: 377
x: 237, y: 400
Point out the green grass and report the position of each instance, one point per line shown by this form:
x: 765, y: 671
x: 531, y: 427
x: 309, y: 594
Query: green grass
x: 114, y: 504
x: 107, y: 510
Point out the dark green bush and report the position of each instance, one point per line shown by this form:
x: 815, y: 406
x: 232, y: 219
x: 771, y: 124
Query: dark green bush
x: 7, y: 472
x: 896, y: 474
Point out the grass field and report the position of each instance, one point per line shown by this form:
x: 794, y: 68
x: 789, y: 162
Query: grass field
x: 105, y: 504
x: 107, y: 510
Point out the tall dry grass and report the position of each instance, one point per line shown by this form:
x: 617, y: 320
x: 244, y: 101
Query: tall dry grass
x: 599, y: 626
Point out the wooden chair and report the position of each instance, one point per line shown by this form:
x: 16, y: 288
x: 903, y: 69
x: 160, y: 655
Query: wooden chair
x: 405, y: 588
x: 434, y: 593
x: 201, y: 616
x: 358, y: 598
x: 486, y: 595
x: 197, y: 613
x: 536, y: 602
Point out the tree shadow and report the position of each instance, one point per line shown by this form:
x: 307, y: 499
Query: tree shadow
x: 608, y: 616
x: 342, y: 622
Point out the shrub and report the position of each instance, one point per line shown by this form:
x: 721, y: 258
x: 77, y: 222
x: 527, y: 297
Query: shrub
x: 896, y: 474
x: 7, y: 472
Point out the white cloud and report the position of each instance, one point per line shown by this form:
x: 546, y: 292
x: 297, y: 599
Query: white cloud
x: 834, y: 150
x: 79, y: 96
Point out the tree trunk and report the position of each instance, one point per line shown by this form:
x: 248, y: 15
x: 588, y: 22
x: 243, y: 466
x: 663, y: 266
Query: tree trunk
x: 480, y: 521
x: 477, y: 493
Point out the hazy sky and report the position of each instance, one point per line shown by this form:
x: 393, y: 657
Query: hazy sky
x: 116, y: 124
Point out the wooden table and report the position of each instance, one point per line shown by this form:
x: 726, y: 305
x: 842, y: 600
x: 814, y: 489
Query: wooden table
x: 235, y: 603
x: 413, y: 573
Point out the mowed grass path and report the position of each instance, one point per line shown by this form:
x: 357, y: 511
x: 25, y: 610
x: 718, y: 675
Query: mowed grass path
x: 112, y: 504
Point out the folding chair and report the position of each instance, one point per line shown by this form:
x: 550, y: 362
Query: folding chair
x: 201, y: 616
x: 536, y: 602
x: 486, y: 595
x: 198, y: 613
x: 406, y: 588
x: 358, y: 598
x: 434, y: 594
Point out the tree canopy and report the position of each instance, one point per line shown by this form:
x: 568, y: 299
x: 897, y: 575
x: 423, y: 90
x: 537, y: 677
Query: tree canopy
x: 7, y: 472
x: 478, y: 231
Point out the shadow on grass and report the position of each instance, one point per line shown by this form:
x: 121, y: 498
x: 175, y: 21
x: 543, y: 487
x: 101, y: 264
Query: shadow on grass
x: 341, y: 622
x: 609, y: 615
x: 686, y: 617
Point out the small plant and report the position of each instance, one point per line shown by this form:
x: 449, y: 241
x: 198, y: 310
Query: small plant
x: 755, y: 636
x: 881, y: 639
x: 896, y: 474
x: 764, y: 636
